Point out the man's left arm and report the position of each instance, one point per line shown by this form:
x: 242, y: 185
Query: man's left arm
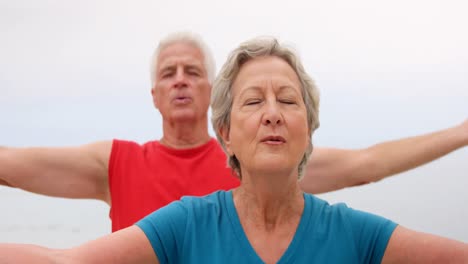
x: 332, y: 169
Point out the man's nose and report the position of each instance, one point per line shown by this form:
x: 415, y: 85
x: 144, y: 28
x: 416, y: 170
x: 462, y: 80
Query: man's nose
x: 180, y: 79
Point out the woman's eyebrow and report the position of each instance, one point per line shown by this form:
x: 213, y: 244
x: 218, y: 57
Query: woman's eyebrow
x: 249, y: 89
x: 288, y: 88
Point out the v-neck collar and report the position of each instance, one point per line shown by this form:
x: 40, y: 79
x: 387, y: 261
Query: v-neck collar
x: 244, y: 241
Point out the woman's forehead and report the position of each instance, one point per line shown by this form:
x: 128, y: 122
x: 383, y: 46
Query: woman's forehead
x: 266, y: 72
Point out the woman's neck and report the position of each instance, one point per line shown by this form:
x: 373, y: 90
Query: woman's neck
x: 268, y: 201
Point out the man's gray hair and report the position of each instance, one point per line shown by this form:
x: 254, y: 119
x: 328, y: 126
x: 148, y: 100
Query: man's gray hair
x: 184, y: 37
x: 221, y: 95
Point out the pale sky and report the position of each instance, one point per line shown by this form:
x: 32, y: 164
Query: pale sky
x: 73, y: 72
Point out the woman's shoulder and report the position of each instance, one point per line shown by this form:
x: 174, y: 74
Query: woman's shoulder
x: 326, y: 210
x: 213, y: 200
x: 188, y: 208
x: 341, y: 214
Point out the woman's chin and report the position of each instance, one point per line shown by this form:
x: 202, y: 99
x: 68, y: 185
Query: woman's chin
x: 274, y: 166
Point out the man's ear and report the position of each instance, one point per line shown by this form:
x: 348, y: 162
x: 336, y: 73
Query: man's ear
x: 224, y: 133
x: 154, y: 95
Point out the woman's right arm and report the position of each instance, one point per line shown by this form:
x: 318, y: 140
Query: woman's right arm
x: 129, y: 245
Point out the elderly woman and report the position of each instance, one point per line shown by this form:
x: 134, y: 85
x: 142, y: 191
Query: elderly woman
x: 265, y: 110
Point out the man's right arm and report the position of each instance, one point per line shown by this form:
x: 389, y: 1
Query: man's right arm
x: 69, y: 172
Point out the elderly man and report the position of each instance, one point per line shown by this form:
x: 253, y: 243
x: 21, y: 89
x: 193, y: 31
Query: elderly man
x: 136, y: 179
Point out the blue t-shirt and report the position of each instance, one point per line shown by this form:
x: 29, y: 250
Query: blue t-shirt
x: 208, y: 230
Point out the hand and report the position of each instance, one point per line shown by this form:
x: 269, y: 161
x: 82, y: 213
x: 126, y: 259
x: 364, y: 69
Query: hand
x: 463, y: 128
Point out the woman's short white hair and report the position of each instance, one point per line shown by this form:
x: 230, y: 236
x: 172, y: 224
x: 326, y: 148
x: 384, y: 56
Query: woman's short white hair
x: 221, y: 94
x: 184, y: 37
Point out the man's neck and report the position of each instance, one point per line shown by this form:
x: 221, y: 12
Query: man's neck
x: 185, y: 135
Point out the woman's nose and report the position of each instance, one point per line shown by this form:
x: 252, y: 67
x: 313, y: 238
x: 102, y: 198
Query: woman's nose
x: 272, y: 115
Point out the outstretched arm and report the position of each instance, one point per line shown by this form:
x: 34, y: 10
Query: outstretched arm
x: 128, y: 245
x: 70, y: 172
x: 2, y: 182
x: 333, y: 169
x: 408, y: 246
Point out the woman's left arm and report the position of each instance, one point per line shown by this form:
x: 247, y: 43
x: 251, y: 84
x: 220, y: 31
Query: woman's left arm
x: 408, y: 246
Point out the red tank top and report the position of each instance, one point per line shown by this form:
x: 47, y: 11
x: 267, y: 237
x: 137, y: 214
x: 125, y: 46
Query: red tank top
x: 143, y: 178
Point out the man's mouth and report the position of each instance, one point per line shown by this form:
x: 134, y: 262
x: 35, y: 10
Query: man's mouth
x: 181, y: 100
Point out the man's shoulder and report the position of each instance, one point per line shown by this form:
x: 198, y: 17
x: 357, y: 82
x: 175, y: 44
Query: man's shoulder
x: 133, y: 144
x: 126, y: 149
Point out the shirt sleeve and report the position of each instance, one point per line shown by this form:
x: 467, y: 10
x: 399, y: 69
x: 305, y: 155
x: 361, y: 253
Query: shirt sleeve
x: 371, y: 233
x: 165, y: 229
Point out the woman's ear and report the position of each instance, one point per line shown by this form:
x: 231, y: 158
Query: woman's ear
x: 224, y: 133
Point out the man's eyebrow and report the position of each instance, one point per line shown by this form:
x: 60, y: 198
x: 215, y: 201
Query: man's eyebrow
x: 167, y: 67
x: 194, y: 66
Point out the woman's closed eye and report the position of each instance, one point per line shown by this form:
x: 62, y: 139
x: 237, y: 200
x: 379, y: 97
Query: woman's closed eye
x: 253, y: 101
x: 287, y: 101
